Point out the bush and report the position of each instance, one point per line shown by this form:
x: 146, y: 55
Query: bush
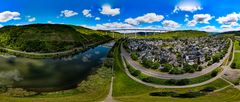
x: 234, y: 65
x: 214, y: 73
x: 150, y: 64
x: 3, y: 89
x: 19, y: 92
x: 176, y: 71
x: 163, y: 94
x: 190, y: 95
x: 148, y: 79
x: 200, y: 68
x: 174, y: 94
x: 134, y: 56
x: 136, y: 73
x: 172, y: 81
x: 209, y: 89
x: 167, y: 67
x: 183, y: 82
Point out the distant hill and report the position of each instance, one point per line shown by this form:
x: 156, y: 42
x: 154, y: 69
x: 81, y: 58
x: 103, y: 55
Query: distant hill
x: 236, y: 33
x: 178, y: 34
x: 48, y: 37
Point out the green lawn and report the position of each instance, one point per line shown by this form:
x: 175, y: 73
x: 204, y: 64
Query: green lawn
x: 237, y: 45
x: 227, y: 95
x: 127, y: 90
x: 237, y: 60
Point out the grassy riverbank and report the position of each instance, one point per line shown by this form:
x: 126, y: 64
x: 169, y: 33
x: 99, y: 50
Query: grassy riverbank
x: 94, y: 88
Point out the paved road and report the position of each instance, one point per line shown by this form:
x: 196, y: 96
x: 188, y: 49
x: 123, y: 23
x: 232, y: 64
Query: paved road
x: 47, y: 54
x: 156, y: 74
x: 40, y: 54
x: 225, y: 68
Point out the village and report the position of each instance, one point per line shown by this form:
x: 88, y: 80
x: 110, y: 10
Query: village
x: 178, y: 53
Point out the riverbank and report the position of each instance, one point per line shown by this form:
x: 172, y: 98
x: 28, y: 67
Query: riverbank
x: 36, y: 55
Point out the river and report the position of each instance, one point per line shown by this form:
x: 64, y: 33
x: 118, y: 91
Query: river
x: 52, y: 74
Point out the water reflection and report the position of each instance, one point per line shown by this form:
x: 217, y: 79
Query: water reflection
x: 51, y: 73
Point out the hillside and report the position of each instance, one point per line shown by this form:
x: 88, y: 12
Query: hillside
x: 48, y: 37
x: 236, y: 33
x: 178, y: 34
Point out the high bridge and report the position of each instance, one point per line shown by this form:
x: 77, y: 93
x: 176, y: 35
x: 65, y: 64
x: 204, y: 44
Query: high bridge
x: 135, y: 31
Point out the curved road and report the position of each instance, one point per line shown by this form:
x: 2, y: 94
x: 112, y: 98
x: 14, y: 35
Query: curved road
x: 160, y: 75
x: 225, y: 68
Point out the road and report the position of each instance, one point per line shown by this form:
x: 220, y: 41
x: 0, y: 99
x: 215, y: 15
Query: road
x: 109, y: 98
x: 40, y: 54
x: 48, y: 54
x: 225, y: 68
x: 160, y: 75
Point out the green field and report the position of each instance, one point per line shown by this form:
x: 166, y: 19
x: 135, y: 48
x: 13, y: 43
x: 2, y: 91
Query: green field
x: 237, y: 45
x: 127, y: 90
x: 236, y: 61
x: 227, y: 95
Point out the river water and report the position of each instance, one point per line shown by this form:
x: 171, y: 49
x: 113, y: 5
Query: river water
x: 52, y: 74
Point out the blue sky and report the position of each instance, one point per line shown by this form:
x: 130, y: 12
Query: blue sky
x: 208, y: 15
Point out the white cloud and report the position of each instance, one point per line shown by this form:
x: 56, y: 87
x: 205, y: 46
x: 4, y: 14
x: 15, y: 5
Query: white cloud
x: 188, y: 6
x: 32, y: 19
x: 8, y: 15
x: 50, y: 22
x: 109, y: 26
x: 210, y: 29
x: 231, y: 19
x: 200, y: 18
x: 97, y: 18
x: 113, y: 25
x: 147, y: 18
x: 68, y: 13
x: 170, y: 24
x: 87, y: 13
x: 108, y: 10
x: 1, y: 26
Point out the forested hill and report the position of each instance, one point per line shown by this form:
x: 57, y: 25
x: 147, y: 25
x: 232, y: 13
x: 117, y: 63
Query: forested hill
x: 179, y: 34
x: 48, y: 37
x: 236, y: 33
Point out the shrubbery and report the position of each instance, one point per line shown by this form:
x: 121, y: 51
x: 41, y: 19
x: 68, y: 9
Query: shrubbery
x: 150, y: 64
x: 196, y: 94
x: 209, y: 89
x: 134, y: 56
x: 178, y: 82
x: 214, y: 73
x: 234, y: 65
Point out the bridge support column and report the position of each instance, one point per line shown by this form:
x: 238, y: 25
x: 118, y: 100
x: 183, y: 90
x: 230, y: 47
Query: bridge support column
x: 113, y: 34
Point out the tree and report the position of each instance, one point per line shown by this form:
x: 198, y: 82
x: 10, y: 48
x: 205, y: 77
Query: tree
x: 183, y: 82
x: 150, y: 64
x: 214, y: 73
x: 234, y: 65
x: 134, y: 56
x: 136, y: 73
x: 167, y: 67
